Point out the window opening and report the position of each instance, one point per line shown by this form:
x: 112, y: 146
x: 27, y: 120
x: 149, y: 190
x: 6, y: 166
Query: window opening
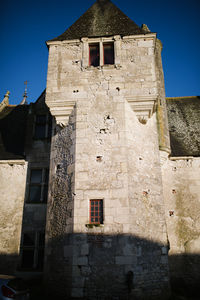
x: 96, y: 211
x: 38, y: 185
x: 32, y: 250
x: 108, y: 51
x: 43, y: 127
x: 94, y: 55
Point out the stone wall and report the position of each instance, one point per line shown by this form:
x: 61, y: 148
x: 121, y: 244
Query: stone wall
x: 110, y: 151
x: 134, y: 75
x: 12, y: 188
x: 181, y: 179
x: 128, y: 179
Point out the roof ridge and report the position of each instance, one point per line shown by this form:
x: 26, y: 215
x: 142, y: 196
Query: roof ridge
x: 183, y: 97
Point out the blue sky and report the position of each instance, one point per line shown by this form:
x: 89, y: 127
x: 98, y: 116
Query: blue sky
x: 25, y: 25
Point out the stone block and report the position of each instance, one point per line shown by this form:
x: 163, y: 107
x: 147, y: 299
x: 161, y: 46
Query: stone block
x: 123, y: 211
x: 122, y: 219
x: 78, y: 282
x: 164, y: 250
x: 82, y: 261
x: 82, y: 176
x: 68, y: 250
x: 76, y: 271
x: 77, y: 293
x: 164, y: 259
x: 125, y: 260
x: 119, y: 193
x: 127, y: 250
x: 85, y: 249
x: 148, y: 43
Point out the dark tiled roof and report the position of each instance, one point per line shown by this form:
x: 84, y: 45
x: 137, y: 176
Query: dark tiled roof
x: 103, y: 18
x: 12, y: 133
x: 184, y: 125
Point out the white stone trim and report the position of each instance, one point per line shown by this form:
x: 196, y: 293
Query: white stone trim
x: 85, y: 49
x: 181, y: 157
x: 13, y: 162
x: 62, y: 42
x: 143, y: 106
x: 139, y: 36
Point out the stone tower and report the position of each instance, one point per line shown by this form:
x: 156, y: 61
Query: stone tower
x: 106, y: 233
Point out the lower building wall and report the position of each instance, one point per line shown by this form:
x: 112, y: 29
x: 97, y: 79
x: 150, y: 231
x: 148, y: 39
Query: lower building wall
x: 12, y: 191
x: 117, y: 266
x: 181, y: 181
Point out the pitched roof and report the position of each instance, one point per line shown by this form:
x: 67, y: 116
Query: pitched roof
x: 12, y: 133
x: 184, y: 128
x: 103, y: 18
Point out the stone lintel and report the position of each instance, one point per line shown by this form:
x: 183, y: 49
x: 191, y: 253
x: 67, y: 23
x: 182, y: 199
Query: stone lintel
x: 139, y: 36
x: 181, y: 157
x: 50, y: 43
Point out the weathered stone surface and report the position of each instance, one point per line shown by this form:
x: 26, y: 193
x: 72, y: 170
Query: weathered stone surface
x: 182, y: 205
x: 12, y: 173
x: 108, y: 155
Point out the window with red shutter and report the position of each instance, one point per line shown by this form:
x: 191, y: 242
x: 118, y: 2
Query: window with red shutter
x: 96, y: 211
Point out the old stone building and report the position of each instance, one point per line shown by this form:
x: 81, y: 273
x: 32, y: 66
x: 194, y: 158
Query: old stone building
x: 123, y: 199
x: 24, y: 153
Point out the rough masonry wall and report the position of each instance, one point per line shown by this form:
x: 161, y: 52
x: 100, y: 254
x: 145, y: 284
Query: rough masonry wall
x: 181, y: 179
x: 59, y: 226
x: 12, y: 189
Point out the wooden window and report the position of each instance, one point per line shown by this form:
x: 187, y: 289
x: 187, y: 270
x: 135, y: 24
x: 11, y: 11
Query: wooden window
x: 94, y: 59
x: 38, y: 185
x: 108, y: 51
x: 43, y: 127
x: 32, y: 250
x: 96, y: 211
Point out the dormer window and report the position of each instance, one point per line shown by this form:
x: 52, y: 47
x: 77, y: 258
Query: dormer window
x: 108, y: 54
x: 94, y: 57
x: 101, y: 54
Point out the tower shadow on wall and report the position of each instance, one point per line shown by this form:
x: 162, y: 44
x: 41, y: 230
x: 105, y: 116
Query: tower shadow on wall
x: 119, y: 266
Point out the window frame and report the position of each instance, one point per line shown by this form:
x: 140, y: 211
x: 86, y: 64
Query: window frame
x: 100, y: 211
x: 43, y: 185
x: 37, y: 248
x: 101, y: 52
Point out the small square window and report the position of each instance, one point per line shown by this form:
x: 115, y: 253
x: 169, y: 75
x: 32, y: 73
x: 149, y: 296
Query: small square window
x: 108, y: 51
x: 94, y: 59
x: 96, y: 211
